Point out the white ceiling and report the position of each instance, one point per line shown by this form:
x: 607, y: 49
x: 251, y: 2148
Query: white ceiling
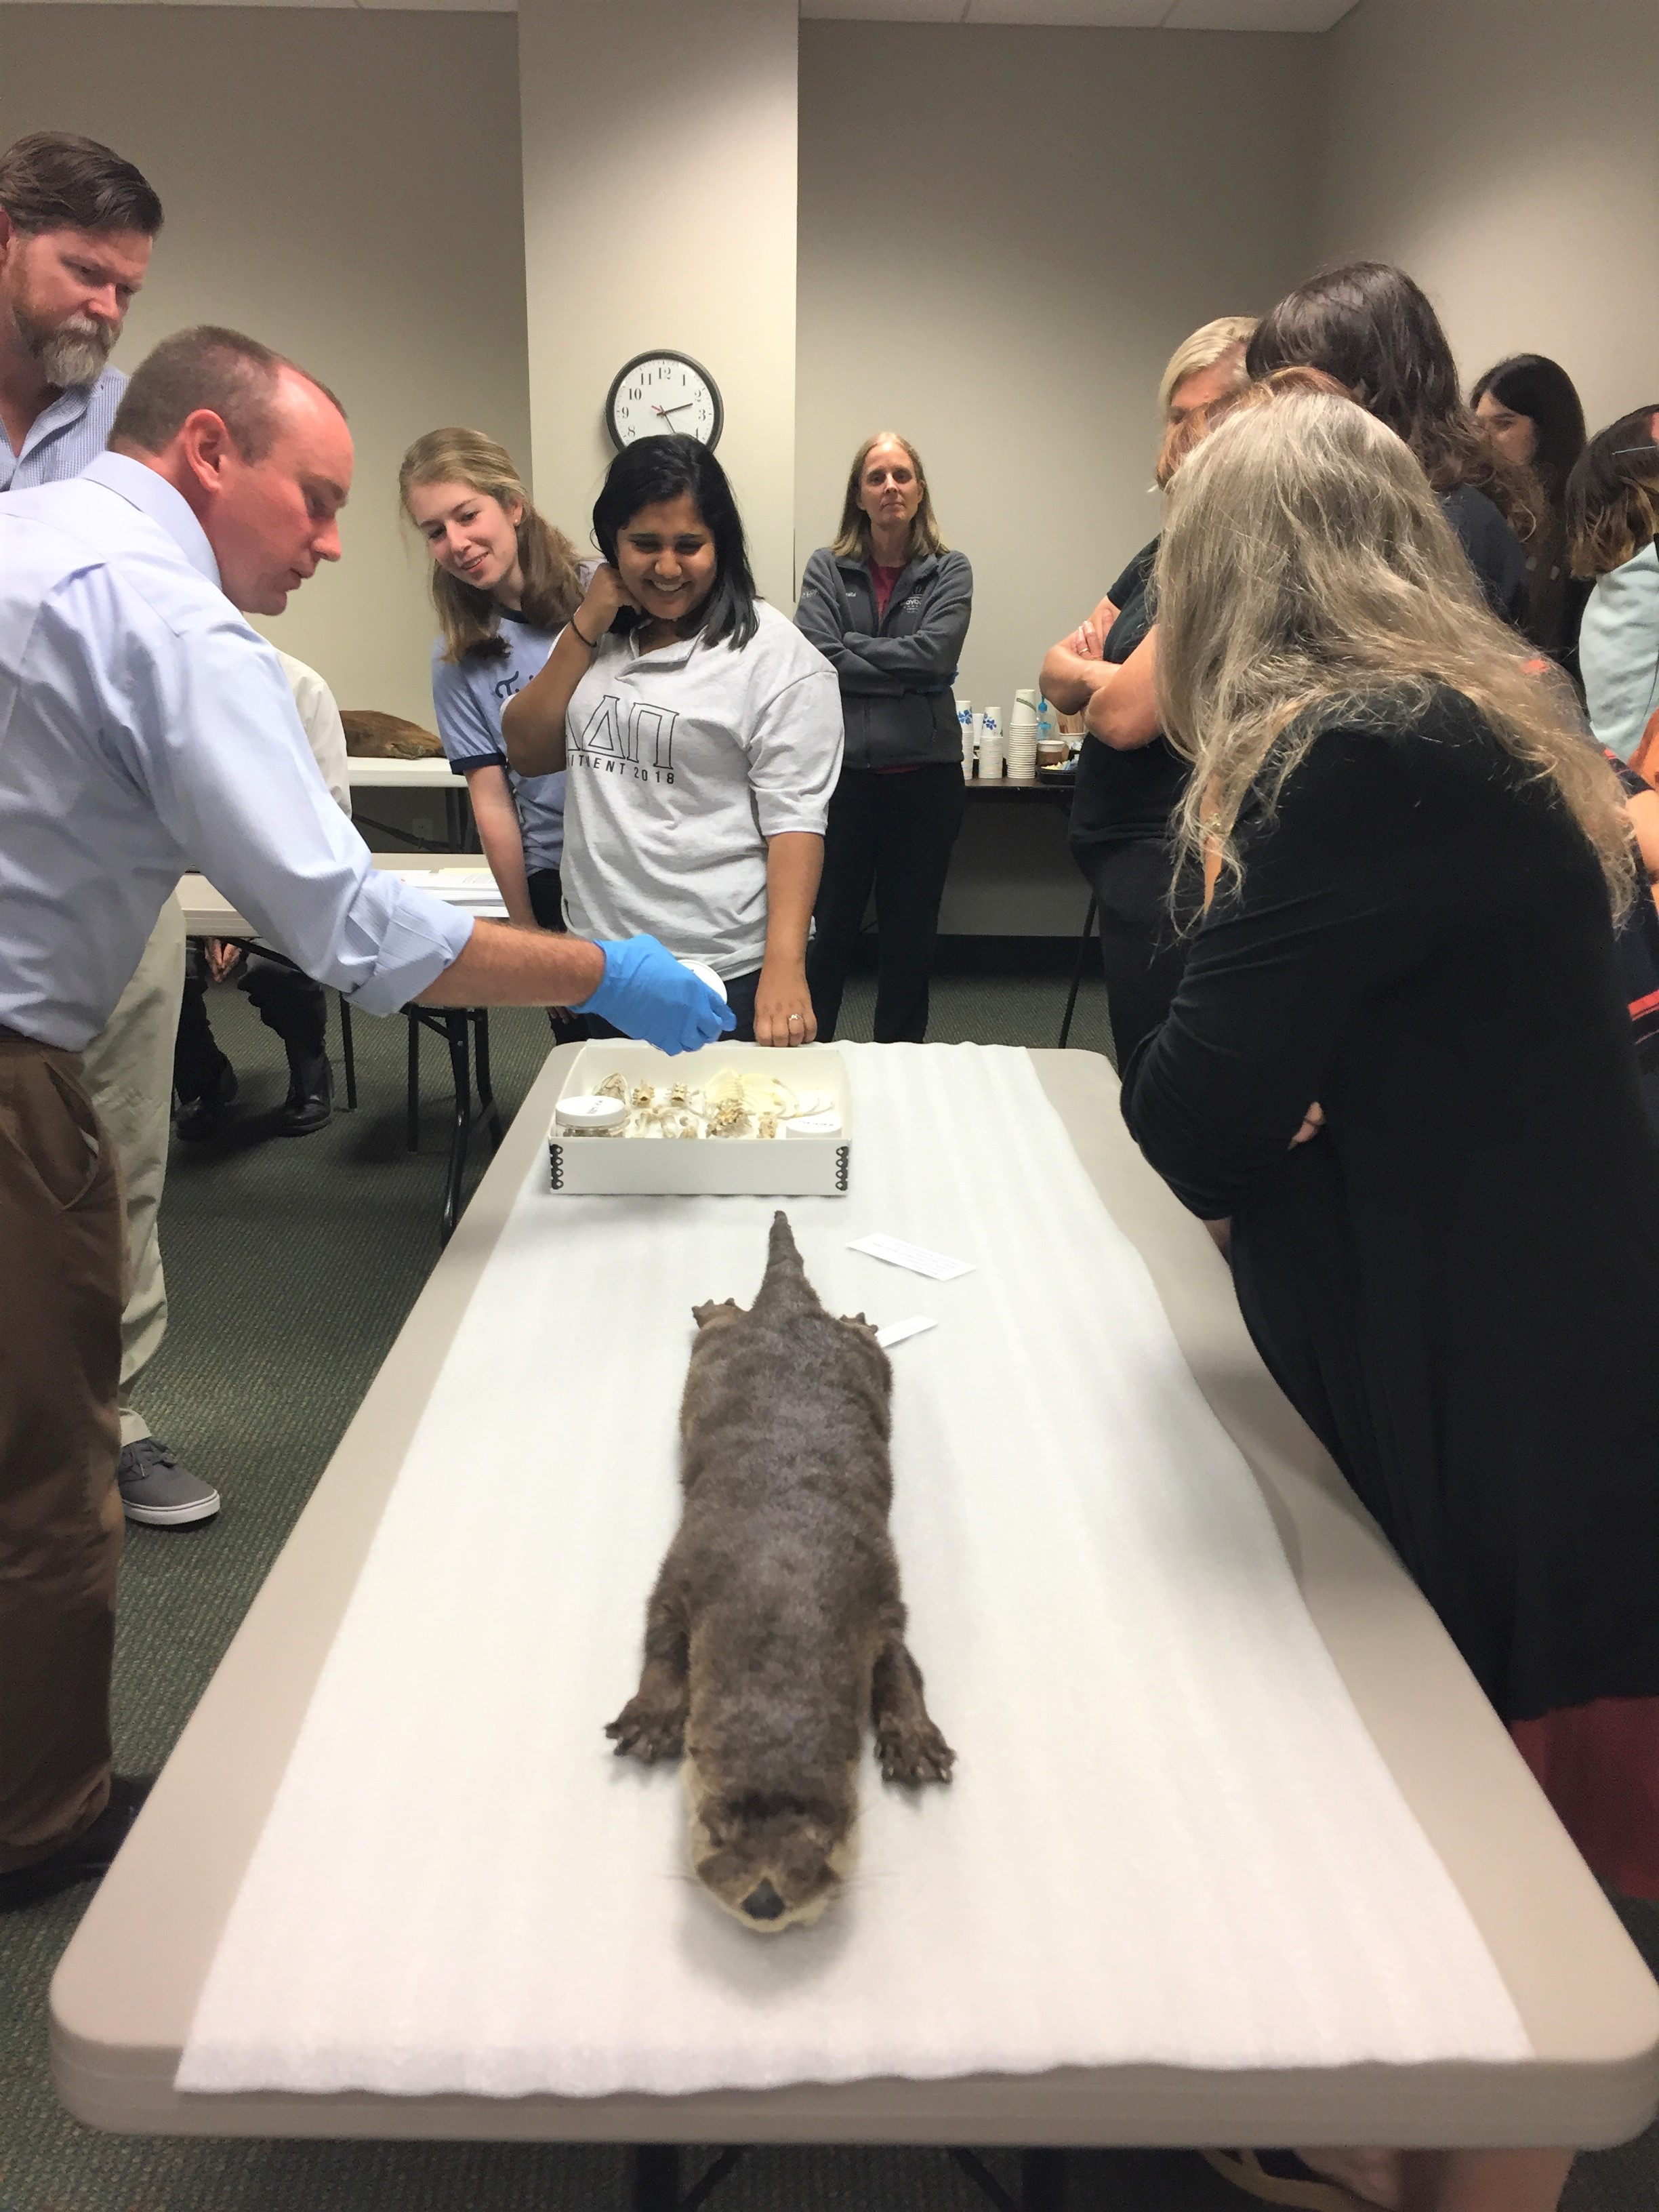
x: 1115, y: 15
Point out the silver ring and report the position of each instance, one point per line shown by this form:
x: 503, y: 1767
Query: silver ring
x: 795, y: 1018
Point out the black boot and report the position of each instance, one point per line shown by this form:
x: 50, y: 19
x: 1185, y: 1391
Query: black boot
x: 309, y: 1105
x: 204, y: 1116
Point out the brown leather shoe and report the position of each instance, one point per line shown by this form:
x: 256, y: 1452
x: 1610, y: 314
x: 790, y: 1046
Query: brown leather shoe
x: 88, y: 1857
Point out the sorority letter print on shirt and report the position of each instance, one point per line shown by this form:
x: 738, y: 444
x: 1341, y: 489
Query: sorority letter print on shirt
x: 628, y: 737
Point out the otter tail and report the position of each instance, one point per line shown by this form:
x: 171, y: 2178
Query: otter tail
x: 784, y: 1286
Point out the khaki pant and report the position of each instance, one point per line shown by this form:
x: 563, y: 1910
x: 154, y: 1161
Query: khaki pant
x: 63, y: 1255
x: 129, y: 1075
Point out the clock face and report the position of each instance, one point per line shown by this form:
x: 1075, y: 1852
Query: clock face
x: 661, y: 393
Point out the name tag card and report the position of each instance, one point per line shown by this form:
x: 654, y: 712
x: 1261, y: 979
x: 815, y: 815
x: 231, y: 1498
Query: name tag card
x: 916, y: 1257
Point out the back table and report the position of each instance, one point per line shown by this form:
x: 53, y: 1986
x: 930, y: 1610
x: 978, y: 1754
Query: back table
x: 126, y: 1989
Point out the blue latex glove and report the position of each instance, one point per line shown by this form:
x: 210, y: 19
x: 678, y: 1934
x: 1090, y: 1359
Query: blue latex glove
x: 647, y: 993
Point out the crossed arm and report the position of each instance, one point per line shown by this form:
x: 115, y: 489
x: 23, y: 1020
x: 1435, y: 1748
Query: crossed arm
x: 1118, y: 701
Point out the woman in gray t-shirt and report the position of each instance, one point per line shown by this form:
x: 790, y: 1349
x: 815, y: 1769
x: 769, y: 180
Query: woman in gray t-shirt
x: 703, y: 735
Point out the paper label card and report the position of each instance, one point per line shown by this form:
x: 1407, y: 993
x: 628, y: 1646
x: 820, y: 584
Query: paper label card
x: 916, y: 1257
x: 896, y: 1331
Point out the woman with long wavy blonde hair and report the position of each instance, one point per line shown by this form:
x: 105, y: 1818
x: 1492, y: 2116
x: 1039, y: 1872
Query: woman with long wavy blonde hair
x: 1400, y: 1063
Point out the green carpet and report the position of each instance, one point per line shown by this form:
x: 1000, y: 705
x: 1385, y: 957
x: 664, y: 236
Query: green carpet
x: 290, y: 1267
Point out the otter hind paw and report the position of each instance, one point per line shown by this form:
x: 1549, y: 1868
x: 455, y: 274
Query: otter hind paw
x: 915, y: 1754
x: 647, y: 1733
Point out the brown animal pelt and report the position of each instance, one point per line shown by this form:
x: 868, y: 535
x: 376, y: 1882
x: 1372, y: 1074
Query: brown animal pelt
x: 371, y: 735
x: 776, y: 1627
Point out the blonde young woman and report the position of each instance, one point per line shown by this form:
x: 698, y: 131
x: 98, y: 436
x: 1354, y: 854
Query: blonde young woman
x: 1129, y: 778
x: 504, y: 583
x: 888, y: 605
x: 1400, y: 1062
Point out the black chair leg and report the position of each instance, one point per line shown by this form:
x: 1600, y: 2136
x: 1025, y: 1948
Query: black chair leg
x: 655, y: 2175
x: 984, y: 2180
x: 455, y: 1031
x: 480, y: 1059
x: 700, y: 2191
x: 412, y: 1110
x: 1076, y: 968
x: 1044, y: 2180
x: 348, y: 1054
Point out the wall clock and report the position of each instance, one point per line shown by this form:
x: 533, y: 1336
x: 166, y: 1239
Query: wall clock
x: 660, y: 392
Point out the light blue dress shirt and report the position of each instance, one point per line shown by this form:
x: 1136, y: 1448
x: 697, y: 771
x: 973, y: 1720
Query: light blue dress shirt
x: 1619, y: 652
x: 146, y: 729
x: 65, y: 436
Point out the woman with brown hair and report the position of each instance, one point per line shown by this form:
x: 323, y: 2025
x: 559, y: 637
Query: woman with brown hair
x: 1441, y: 1230
x: 504, y: 584
x: 1612, y: 518
x: 1373, y: 329
x: 1530, y: 410
x: 888, y: 606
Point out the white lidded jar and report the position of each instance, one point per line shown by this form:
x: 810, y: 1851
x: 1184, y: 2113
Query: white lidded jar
x: 589, y: 1115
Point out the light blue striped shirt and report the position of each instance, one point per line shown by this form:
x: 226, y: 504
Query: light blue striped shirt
x: 146, y: 729
x: 65, y: 436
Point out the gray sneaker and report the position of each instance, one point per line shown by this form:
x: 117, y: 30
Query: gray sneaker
x: 157, y: 1491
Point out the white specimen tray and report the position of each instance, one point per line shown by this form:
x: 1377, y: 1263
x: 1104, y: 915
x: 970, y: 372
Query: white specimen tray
x: 764, y: 1167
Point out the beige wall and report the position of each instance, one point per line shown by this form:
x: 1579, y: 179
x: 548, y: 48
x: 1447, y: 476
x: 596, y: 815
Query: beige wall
x: 1504, y: 152
x: 345, y: 186
x: 660, y: 210
x: 1004, y: 234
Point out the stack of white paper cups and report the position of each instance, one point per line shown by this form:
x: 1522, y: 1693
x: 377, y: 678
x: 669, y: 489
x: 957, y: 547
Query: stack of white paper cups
x: 1022, y: 739
x: 965, y: 724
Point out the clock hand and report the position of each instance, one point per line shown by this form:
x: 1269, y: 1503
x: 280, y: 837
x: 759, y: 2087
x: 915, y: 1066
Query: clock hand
x: 666, y: 411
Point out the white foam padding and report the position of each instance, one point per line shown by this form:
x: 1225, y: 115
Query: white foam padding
x: 1170, y: 1839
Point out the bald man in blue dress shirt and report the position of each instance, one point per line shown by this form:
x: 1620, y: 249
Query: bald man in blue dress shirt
x: 146, y: 728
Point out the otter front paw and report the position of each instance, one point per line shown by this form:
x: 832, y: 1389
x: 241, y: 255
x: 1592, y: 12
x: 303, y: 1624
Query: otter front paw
x: 648, y: 1732
x: 913, y: 1752
x: 717, y: 1313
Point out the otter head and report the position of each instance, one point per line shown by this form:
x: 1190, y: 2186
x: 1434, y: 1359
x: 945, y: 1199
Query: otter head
x: 772, y: 1862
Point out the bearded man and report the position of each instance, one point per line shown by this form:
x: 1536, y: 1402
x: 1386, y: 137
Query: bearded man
x: 77, y: 226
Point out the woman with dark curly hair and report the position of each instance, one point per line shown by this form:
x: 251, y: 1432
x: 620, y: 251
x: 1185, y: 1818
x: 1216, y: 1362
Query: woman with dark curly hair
x: 1372, y: 329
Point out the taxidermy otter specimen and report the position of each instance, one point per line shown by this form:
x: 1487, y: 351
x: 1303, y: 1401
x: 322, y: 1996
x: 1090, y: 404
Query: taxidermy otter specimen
x: 371, y: 735
x: 776, y: 1623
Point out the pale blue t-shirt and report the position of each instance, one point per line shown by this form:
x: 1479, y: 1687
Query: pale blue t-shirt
x: 468, y: 696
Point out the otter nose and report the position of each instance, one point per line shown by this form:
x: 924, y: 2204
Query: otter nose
x: 762, y: 1902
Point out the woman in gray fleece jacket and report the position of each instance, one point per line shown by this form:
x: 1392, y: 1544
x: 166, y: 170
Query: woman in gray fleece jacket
x: 888, y: 607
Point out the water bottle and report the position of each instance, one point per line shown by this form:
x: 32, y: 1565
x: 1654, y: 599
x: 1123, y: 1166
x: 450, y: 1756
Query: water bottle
x: 990, y: 748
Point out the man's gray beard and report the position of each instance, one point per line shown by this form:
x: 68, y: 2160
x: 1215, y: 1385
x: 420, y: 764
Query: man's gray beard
x: 75, y: 352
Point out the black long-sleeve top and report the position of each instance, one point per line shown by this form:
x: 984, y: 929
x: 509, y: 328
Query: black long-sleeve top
x: 1456, y: 1282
